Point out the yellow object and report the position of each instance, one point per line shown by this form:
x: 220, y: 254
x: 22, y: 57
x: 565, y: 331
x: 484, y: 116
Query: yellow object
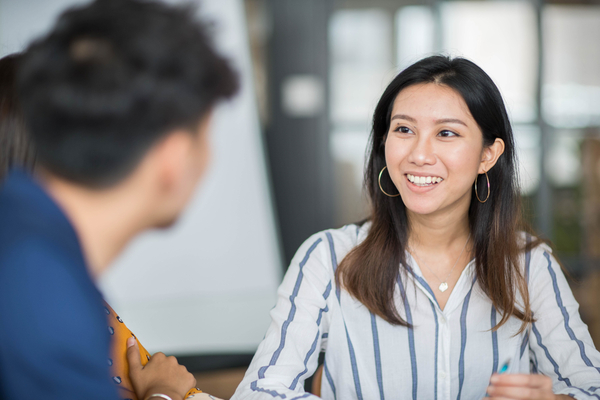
x: 119, y: 367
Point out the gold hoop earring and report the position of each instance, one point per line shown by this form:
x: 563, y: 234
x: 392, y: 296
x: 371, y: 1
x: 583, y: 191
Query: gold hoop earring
x: 379, y: 181
x: 488, y: 187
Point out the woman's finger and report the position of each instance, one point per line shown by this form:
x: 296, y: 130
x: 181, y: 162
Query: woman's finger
x: 515, y: 392
x: 496, y: 398
x: 522, y: 380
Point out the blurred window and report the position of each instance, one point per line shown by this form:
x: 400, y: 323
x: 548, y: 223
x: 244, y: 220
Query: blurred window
x: 361, y: 67
x: 500, y: 37
x: 415, y: 34
x: 571, y: 108
x: 571, y: 96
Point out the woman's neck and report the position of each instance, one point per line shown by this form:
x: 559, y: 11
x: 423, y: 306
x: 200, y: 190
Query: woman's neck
x: 440, y: 245
x: 438, y: 232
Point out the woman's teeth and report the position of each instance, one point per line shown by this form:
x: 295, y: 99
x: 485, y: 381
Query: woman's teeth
x: 424, y: 180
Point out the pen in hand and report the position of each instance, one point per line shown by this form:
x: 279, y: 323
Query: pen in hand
x: 504, y: 367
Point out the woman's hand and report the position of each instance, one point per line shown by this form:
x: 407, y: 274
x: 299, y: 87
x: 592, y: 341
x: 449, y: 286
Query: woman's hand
x: 161, y: 374
x: 522, y: 387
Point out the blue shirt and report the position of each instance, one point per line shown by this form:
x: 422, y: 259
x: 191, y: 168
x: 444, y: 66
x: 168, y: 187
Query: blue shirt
x: 54, y: 341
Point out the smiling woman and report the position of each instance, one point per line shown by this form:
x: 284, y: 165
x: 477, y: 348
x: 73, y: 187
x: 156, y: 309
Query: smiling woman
x: 440, y: 286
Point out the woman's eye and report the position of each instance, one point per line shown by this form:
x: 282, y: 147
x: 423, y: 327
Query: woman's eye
x: 446, y: 133
x: 403, y: 129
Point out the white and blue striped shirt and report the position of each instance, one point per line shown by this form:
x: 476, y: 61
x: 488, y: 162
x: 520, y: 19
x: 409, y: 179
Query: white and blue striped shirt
x: 450, y: 353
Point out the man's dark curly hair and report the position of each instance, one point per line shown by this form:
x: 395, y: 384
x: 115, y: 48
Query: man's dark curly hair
x: 112, y: 78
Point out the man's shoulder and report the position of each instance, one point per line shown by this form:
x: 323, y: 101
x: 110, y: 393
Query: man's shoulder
x: 42, y: 269
x: 33, y: 228
x: 38, y: 255
x: 36, y: 272
x: 28, y: 252
x: 26, y: 208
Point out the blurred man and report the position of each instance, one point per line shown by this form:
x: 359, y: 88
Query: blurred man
x: 117, y: 98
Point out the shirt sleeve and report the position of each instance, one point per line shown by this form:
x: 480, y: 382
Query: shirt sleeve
x: 54, y: 336
x: 560, y: 344
x: 289, y: 352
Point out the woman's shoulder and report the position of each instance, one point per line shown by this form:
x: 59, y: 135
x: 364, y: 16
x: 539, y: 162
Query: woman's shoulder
x: 348, y: 236
x: 536, y: 253
x: 529, y: 243
x: 332, y: 245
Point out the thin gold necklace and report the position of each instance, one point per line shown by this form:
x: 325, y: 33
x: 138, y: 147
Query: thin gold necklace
x: 443, y: 283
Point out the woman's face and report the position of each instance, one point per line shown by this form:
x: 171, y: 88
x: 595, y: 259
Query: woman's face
x: 434, y: 149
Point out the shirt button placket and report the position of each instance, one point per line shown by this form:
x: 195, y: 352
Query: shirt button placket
x: 444, y: 366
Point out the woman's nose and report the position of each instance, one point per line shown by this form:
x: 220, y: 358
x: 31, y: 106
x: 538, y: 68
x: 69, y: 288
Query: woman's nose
x: 422, y: 152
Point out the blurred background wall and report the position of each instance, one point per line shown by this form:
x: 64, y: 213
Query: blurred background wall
x: 313, y: 71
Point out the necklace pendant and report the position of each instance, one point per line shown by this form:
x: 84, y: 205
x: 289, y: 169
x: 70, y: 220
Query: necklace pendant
x: 443, y: 287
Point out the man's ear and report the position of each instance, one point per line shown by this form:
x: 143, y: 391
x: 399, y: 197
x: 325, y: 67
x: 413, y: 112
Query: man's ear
x: 490, y: 155
x: 172, y: 154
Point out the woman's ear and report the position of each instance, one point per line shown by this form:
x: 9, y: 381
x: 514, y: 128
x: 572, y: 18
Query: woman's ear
x: 490, y: 155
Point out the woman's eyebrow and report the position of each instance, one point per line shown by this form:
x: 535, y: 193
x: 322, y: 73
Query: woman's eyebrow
x: 402, y: 116
x: 437, y: 121
x: 449, y: 120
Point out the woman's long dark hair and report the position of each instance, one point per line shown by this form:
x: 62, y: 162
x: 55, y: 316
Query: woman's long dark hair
x: 15, y: 146
x: 370, y: 270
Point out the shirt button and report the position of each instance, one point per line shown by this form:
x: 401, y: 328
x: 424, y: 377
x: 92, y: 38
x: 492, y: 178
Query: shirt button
x: 442, y: 374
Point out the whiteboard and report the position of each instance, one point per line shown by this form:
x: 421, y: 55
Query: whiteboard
x: 206, y: 285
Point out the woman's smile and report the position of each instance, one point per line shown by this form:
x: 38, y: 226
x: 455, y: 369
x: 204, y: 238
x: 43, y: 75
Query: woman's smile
x: 421, y: 181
